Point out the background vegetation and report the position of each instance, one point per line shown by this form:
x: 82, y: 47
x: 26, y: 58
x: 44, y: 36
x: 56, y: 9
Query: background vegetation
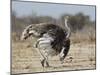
x: 82, y: 27
x: 25, y: 58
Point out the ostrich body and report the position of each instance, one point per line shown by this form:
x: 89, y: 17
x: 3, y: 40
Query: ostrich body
x: 52, y: 40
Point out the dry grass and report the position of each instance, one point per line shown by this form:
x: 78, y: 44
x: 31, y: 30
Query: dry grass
x: 86, y: 35
x: 25, y: 58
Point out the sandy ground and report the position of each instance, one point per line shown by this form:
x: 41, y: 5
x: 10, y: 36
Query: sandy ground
x: 25, y: 58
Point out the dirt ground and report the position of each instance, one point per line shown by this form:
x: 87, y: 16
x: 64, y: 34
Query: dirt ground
x: 25, y: 58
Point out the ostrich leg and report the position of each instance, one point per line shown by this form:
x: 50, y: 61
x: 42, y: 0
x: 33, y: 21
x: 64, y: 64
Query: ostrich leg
x: 61, y: 55
x: 42, y: 62
x: 47, y: 64
x: 42, y: 58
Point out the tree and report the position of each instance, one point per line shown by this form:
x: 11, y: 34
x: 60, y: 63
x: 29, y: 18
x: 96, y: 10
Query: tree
x: 77, y: 21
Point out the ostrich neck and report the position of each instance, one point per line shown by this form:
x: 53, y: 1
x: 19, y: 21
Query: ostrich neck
x: 66, y: 25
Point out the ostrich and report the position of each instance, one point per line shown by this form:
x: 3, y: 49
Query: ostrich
x: 52, y: 40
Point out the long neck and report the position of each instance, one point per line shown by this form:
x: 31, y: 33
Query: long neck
x: 69, y: 31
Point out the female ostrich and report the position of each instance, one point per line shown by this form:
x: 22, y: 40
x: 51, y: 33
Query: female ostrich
x: 52, y: 40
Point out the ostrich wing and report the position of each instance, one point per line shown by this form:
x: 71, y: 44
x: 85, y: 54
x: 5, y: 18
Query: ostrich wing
x: 39, y: 29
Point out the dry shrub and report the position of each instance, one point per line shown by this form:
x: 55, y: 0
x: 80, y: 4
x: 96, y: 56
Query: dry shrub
x: 87, y: 34
x: 15, y: 37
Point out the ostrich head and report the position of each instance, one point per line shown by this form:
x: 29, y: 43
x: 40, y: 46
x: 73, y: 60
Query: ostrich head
x: 28, y: 31
x: 66, y: 25
x: 25, y: 33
